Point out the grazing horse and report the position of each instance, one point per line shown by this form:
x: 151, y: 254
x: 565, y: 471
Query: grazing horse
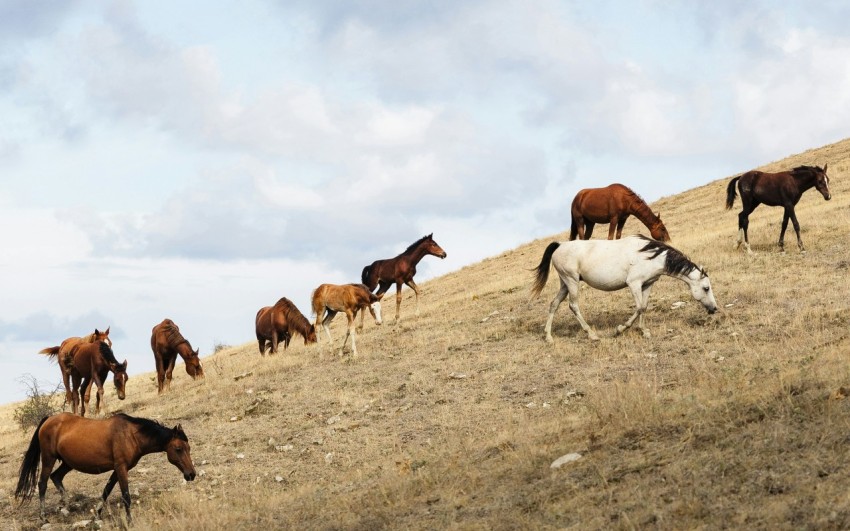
x: 90, y: 363
x: 96, y: 446
x: 348, y: 298
x: 62, y: 356
x: 635, y: 262
x: 279, y: 322
x: 613, y: 205
x: 399, y: 270
x: 775, y: 189
x: 167, y: 342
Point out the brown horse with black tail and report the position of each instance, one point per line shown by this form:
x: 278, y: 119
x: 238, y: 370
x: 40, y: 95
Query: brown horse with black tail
x: 62, y: 356
x: 613, y: 205
x: 775, y: 189
x: 400, y: 270
x: 280, y: 322
x: 97, y: 446
x: 330, y: 299
x: 90, y: 364
x: 167, y: 342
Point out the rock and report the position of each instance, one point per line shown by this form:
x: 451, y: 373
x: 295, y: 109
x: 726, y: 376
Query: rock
x: 234, y: 419
x: 283, y: 447
x: 272, y: 441
x: 333, y: 420
x: 64, y: 511
x: 329, y: 457
x: 243, y: 375
x: 678, y: 304
x: 564, y: 459
x: 278, y: 478
x: 240, y: 456
x: 457, y: 376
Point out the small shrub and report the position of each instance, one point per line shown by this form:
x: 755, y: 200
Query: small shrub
x: 39, y: 404
x: 218, y: 346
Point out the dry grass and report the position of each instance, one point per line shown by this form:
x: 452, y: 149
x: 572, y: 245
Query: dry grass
x: 451, y: 420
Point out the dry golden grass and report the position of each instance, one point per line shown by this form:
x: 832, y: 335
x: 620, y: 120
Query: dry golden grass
x: 451, y: 420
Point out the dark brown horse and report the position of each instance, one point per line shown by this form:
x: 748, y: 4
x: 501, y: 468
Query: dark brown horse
x: 62, y: 356
x: 613, y: 205
x: 348, y: 298
x: 167, y: 342
x: 90, y: 364
x: 96, y: 446
x: 775, y: 189
x: 279, y: 322
x: 400, y: 270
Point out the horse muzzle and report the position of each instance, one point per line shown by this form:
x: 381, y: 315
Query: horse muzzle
x: 712, y: 310
x: 190, y: 476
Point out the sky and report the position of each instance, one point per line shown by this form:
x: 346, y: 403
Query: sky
x: 174, y: 159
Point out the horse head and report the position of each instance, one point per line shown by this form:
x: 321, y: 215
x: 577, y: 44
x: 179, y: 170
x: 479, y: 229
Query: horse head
x: 658, y: 230
x: 701, y: 288
x: 375, y: 308
x: 433, y: 248
x: 178, y: 453
x: 193, y: 364
x: 822, y: 183
x: 120, y: 378
x: 310, y: 336
x: 101, y: 336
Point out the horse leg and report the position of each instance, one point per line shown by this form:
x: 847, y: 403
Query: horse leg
x: 110, y: 483
x: 125, y: 489
x: 785, y: 217
x: 573, y: 286
x: 362, y: 317
x: 57, y: 476
x: 553, y: 307
x: 588, y: 231
x: 275, y: 341
x: 326, y: 325
x: 351, y: 332
x: 397, y: 300
x: 169, y: 370
x: 580, y: 228
x: 66, y: 379
x: 638, y: 293
x: 160, y: 375
x: 47, y: 462
x: 797, y: 230
x: 620, y: 224
x: 98, y: 394
x: 612, y: 227
x: 415, y: 289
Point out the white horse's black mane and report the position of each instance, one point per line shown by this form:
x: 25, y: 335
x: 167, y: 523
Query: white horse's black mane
x: 675, y: 262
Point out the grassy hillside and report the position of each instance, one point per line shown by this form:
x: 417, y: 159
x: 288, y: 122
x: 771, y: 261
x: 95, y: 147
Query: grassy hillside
x: 452, y: 420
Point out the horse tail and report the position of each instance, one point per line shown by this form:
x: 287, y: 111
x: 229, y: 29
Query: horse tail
x: 543, y: 269
x: 29, y: 467
x: 364, y: 276
x: 51, y: 352
x: 573, y: 230
x: 730, y: 192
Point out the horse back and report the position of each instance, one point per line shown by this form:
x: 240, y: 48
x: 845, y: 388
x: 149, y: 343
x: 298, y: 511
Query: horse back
x: 84, y: 444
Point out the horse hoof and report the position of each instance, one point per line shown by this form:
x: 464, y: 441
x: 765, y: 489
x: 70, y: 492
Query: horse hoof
x: 549, y: 340
x: 620, y: 330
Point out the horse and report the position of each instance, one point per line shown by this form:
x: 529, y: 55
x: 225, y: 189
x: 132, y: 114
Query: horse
x: 94, y: 446
x: 280, y: 321
x: 775, y: 189
x: 90, y: 363
x: 399, y: 270
x: 348, y: 298
x: 166, y: 343
x: 61, y: 355
x: 613, y: 205
x: 635, y: 262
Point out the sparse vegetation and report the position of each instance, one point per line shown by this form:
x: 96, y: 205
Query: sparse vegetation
x: 39, y: 404
x: 452, y: 420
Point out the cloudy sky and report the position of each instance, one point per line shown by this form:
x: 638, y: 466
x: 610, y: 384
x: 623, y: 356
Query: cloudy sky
x: 171, y: 159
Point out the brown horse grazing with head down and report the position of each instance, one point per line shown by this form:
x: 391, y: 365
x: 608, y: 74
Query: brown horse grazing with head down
x: 348, y: 298
x: 90, y: 363
x: 167, y: 342
x: 775, y: 189
x: 97, y: 446
x: 613, y: 205
x: 279, y: 322
x: 62, y: 356
x: 400, y: 270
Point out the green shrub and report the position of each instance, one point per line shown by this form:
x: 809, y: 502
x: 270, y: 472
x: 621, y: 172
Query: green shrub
x: 39, y: 404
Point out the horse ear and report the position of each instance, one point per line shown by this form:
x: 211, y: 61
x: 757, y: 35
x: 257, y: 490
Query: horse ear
x: 96, y: 332
x: 178, y: 429
x: 658, y: 215
x: 107, y: 329
x: 431, y: 236
x: 824, y: 167
x: 198, y: 351
x: 124, y: 364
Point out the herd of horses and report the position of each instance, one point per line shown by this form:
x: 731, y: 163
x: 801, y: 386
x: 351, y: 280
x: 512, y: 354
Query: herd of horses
x: 636, y: 262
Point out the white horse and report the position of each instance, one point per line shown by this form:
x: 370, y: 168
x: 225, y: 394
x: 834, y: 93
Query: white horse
x: 635, y: 262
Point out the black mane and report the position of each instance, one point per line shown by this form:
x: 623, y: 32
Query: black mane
x: 675, y: 262
x: 415, y: 244
x: 107, y: 353
x: 804, y: 171
x: 153, y: 429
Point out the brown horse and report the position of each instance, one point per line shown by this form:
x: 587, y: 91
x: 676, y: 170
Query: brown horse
x: 96, y: 446
x: 167, y: 342
x: 90, y: 364
x: 400, y: 270
x: 613, y: 205
x: 279, y: 322
x: 348, y: 298
x: 775, y: 189
x: 62, y: 355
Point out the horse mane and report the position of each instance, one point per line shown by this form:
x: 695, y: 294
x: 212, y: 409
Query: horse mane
x: 292, y: 313
x: 153, y: 429
x: 806, y: 171
x: 675, y: 261
x: 414, y: 245
x: 172, y: 334
x: 641, y: 209
x: 107, y: 353
x: 372, y: 297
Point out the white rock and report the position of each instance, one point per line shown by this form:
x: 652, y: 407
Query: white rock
x: 677, y: 305
x: 329, y: 457
x: 278, y: 478
x: 240, y: 456
x: 458, y: 375
x: 333, y: 420
x: 564, y: 459
x: 64, y: 511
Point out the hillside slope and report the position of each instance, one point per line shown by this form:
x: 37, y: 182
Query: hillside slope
x: 451, y: 419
